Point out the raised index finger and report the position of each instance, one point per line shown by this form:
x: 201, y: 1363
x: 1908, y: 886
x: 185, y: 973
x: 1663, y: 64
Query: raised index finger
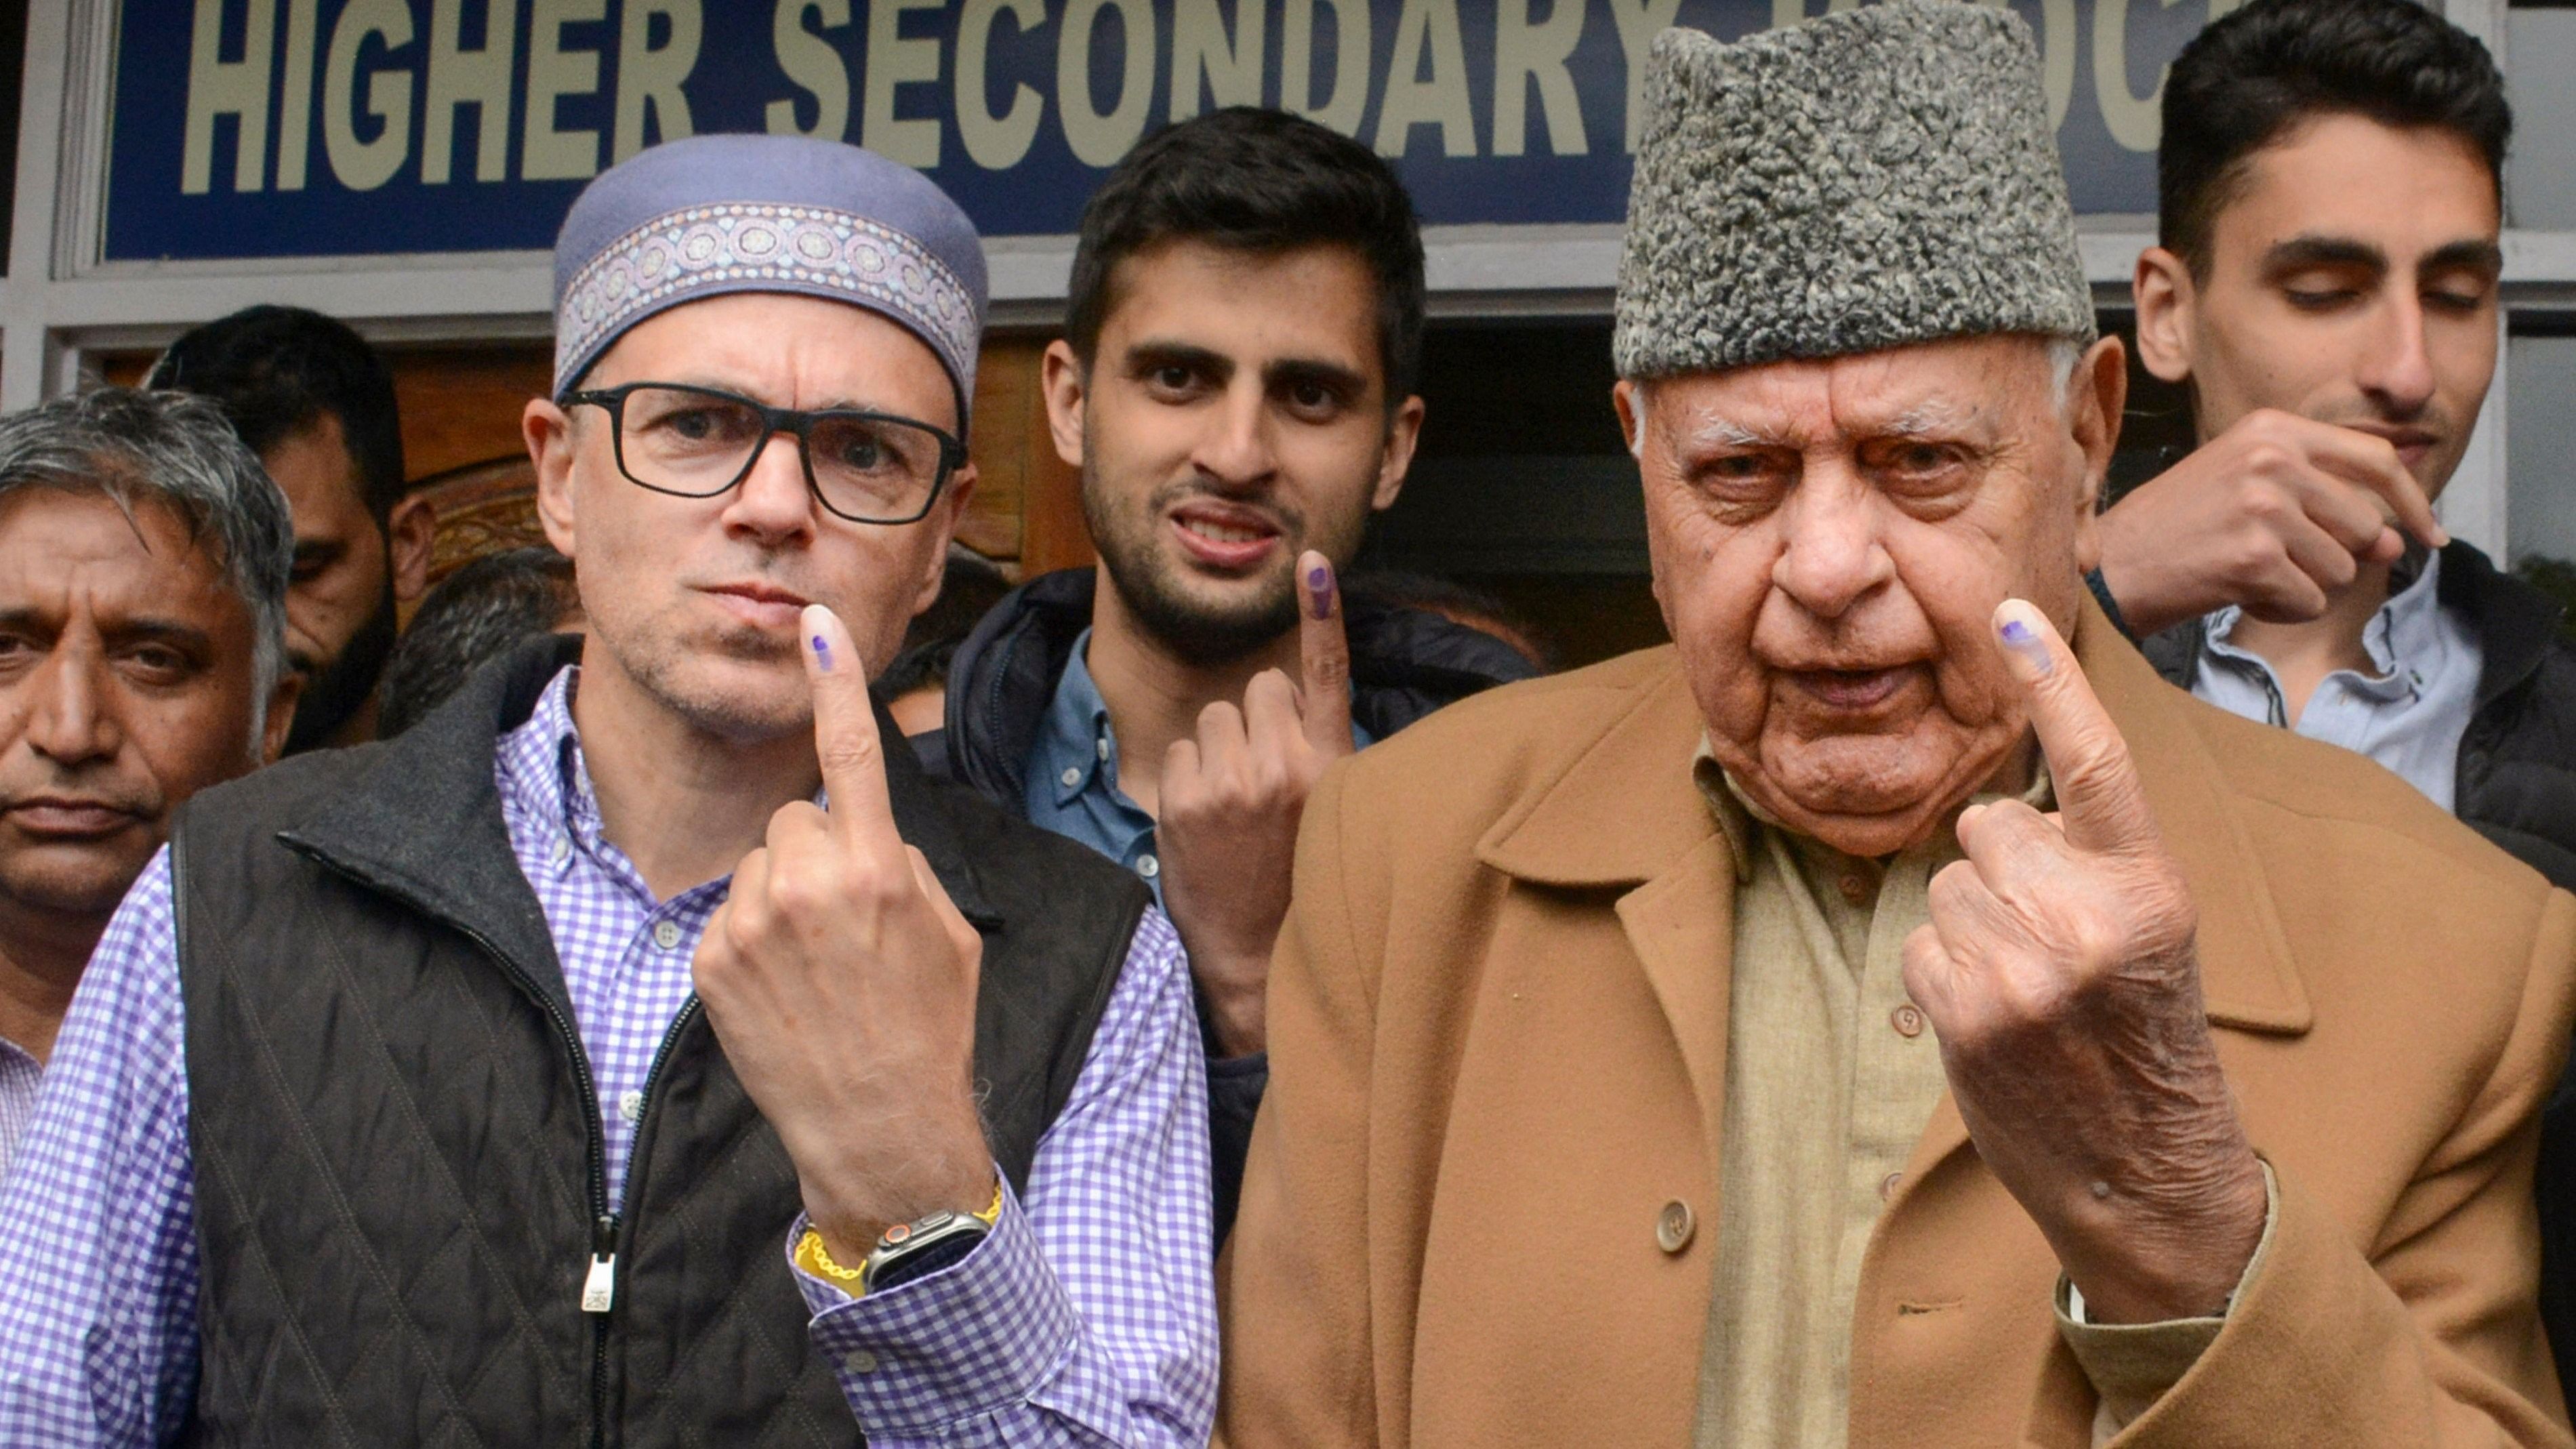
x: 2099, y: 800
x: 1324, y: 655
x: 846, y: 741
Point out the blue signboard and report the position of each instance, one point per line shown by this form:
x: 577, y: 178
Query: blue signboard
x: 278, y: 128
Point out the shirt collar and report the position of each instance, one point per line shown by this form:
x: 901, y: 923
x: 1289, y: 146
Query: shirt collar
x: 542, y: 768
x: 1076, y: 729
x: 2404, y: 638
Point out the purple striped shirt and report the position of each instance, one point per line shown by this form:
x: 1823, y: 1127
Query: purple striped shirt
x: 1088, y: 1317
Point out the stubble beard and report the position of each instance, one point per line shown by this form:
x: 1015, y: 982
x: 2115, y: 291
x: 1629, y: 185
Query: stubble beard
x: 1153, y: 588
x: 661, y: 669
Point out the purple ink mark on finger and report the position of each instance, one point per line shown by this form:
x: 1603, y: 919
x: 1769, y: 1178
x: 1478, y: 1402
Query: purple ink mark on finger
x: 2025, y: 641
x: 823, y: 653
x: 1319, y: 591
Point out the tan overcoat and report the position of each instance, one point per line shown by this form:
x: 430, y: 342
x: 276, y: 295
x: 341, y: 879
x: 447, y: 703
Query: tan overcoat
x: 1498, y: 1038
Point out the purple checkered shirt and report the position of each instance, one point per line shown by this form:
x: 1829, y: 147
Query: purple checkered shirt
x: 1088, y: 1317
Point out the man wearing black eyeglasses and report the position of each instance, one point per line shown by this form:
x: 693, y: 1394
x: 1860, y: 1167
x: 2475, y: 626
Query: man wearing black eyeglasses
x: 636, y: 1050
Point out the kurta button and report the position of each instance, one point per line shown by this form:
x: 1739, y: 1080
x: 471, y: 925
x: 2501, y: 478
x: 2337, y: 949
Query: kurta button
x: 666, y: 934
x: 1907, y: 1018
x: 1674, y: 1226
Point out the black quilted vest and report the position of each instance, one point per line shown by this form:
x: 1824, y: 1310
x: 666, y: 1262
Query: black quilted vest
x: 397, y: 1142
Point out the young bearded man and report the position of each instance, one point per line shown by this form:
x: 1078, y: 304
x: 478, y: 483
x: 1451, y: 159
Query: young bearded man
x: 316, y: 403
x: 143, y: 566
x: 636, y: 1050
x: 1236, y: 385
x: 2326, y: 287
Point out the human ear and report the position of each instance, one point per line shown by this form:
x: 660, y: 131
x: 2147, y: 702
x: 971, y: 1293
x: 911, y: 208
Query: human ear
x: 551, y: 440
x: 410, y: 533
x: 2167, y: 303
x: 279, y: 722
x: 2095, y: 396
x: 1403, y: 431
x: 1066, y: 383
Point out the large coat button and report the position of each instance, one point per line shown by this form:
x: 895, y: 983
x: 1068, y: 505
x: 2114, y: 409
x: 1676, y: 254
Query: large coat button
x: 1674, y: 1226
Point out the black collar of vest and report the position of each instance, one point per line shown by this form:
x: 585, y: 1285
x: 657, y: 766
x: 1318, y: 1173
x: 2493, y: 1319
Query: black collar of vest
x: 422, y: 819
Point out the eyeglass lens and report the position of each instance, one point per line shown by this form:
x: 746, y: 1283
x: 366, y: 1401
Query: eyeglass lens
x: 698, y: 444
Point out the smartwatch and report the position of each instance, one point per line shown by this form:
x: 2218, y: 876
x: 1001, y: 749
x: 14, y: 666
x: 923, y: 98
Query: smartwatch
x: 921, y: 1247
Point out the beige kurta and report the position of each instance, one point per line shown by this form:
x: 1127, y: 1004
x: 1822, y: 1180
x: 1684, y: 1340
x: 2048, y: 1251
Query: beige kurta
x: 1832, y: 1073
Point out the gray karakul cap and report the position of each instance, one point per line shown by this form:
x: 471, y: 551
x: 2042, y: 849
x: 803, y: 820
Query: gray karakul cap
x: 1879, y: 177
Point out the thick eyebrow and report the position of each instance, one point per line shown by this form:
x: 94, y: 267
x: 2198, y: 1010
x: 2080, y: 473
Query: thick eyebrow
x: 1290, y: 372
x: 2480, y: 256
x: 1154, y: 354
x: 1728, y: 433
x: 2323, y: 251
x: 1936, y: 417
x: 845, y: 403
x: 148, y: 629
x: 186, y: 638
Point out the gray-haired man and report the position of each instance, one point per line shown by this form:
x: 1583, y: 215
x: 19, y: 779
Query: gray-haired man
x: 144, y: 558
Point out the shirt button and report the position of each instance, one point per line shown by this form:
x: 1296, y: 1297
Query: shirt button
x: 1148, y: 867
x: 666, y: 934
x: 1100, y: 747
x: 1855, y: 887
x: 1070, y: 778
x: 1674, y: 1226
x: 859, y: 1361
x: 630, y: 1106
x: 559, y: 850
x: 1887, y: 1185
x: 1907, y: 1018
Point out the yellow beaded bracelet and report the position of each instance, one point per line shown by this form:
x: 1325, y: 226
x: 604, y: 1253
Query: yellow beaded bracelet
x: 816, y: 1259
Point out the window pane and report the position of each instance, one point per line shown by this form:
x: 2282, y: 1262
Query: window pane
x: 2541, y: 377
x: 2540, y: 174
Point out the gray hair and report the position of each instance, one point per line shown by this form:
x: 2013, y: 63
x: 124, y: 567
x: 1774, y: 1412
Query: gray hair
x: 175, y: 450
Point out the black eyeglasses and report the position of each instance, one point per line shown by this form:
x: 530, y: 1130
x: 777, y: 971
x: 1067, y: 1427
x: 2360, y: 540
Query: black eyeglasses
x: 697, y: 442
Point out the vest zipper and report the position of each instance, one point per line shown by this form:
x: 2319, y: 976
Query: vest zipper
x: 600, y: 1217
x: 597, y: 1144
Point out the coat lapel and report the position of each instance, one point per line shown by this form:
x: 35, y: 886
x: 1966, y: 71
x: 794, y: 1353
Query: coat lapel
x: 1626, y: 816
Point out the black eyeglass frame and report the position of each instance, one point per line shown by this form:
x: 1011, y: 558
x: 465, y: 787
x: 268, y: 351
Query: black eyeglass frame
x: 773, y: 421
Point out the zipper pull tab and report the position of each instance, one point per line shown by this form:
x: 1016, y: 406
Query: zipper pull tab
x: 599, y: 1287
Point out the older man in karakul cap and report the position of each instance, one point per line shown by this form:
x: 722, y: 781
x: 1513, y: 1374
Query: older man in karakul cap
x: 1873, y: 1019
x: 638, y: 1050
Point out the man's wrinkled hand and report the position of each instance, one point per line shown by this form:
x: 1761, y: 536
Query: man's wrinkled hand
x: 841, y: 981
x: 1231, y: 800
x: 2272, y: 514
x: 2061, y: 975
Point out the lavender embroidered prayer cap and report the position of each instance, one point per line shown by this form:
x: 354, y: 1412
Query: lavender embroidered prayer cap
x: 716, y: 214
